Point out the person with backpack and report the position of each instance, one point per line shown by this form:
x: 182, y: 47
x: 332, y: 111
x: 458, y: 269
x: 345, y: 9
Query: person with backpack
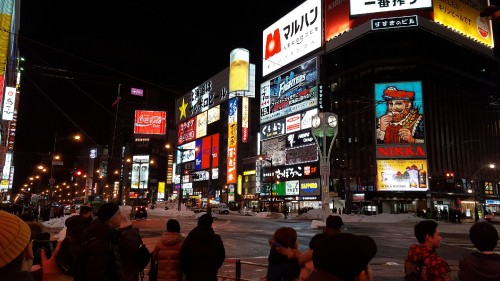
x: 129, y: 242
x: 99, y: 255
x: 422, y: 261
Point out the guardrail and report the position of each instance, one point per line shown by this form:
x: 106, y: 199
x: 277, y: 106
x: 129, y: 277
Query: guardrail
x: 238, y: 270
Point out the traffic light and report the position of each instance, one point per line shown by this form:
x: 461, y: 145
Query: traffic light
x: 78, y: 173
x: 450, y: 177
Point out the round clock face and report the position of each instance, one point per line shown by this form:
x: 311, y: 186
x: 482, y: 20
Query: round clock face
x: 316, y: 121
x: 332, y: 121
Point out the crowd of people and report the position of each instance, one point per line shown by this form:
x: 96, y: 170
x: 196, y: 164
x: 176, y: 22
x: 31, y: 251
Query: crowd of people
x: 106, y: 248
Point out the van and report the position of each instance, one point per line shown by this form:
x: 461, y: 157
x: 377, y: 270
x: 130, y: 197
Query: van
x: 220, y: 208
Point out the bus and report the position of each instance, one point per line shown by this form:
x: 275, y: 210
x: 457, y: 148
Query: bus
x: 95, y: 201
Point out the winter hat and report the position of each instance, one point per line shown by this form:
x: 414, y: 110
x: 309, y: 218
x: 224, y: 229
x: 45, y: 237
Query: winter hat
x: 125, y: 221
x: 334, y: 222
x: 173, y: 226
x: 14, y: 237
x: 344, y: 255
x: 107, y: 211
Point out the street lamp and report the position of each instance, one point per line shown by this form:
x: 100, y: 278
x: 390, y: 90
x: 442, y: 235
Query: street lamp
x: 270, y: 161
x: 324, y: 124
x: 56, y: 161
x: 476, y: 211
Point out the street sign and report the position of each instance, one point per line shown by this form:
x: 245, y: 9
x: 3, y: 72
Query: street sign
x: 52, y: 180
x: 57, y: 162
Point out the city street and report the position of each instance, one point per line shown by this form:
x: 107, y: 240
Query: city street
x: 246, y: 239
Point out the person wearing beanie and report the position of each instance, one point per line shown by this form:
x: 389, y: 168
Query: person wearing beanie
x: 99, y: 255
x: 202, y: 253
x: 129, y: 241
x: 16, y: 252
x: 166, y: 253
x: 343, y: 257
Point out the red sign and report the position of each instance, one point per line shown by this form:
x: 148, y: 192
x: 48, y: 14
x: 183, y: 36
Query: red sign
x: 414, y: 151
x: 206, y: 151
x: 215, y: 150
x: 186, y: 131
x: 150, y: 122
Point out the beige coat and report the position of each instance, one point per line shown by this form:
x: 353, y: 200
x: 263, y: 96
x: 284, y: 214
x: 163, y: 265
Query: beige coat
x: 167, y: 252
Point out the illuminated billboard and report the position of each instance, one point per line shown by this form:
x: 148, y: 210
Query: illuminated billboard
x: 232, y: 140
x: 9, y: 101
x: 399, y: 112
x: 150, y: 122
x: 402, y: 175
x: 310, y: 187
x: 362, y: 7
x: 291, y: 92
x: 293, y: 36
x: 464, y: 17
x: 186, y: 131
x: 140, y: 172
x: 209, y: 94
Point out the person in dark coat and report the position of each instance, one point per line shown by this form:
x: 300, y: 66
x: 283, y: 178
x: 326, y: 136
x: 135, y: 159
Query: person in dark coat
x: 76, y: 226
x: 283, y: 256
x: 99, y: 257
x: 129, y: 242
x: 203, y: 252
x: 483, y: 265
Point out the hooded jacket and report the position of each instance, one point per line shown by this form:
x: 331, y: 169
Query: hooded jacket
x: 479, y: 266
x: 434, y: 268
x: 75, y: 227
x: 202, y: 254
x: 167, y: 252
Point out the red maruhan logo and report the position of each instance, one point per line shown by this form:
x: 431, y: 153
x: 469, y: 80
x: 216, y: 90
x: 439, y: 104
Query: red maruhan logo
x: 273, y: 44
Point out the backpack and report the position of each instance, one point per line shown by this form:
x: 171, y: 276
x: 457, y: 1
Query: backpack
x: 143, y: 257
x: 415, y: 271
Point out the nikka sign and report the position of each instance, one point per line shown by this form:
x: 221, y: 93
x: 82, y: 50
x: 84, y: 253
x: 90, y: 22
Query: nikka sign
x: 401, y: 151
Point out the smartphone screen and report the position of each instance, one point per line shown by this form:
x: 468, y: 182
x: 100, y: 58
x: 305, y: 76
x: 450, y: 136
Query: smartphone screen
x: 48, y: 245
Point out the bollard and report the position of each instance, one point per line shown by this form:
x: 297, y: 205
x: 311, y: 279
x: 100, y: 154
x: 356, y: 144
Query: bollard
x: 238, y: 270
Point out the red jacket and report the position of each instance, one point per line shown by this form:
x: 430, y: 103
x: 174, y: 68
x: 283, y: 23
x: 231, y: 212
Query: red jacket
x: 434, y: 267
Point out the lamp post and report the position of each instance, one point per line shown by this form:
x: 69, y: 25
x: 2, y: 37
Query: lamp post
x: 56, y: 161
x: 324, y: 124
x: 270, y: 161
x: 476, y: 211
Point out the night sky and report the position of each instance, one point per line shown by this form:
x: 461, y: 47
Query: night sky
x: 78, y: 52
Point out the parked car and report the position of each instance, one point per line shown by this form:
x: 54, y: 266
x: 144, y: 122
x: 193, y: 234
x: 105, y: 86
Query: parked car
x: 138, y: 212
x: 199, y: 209
x: 220, y: 208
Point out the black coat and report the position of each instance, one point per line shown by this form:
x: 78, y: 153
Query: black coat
x: 75, y: 227
x: 129, y: 242
x: 99, y: 257
x: 478, y: 266
x: 202, y: 254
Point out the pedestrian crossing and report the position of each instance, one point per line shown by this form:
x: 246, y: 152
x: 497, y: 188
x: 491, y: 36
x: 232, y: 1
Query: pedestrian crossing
x: 464, y: 244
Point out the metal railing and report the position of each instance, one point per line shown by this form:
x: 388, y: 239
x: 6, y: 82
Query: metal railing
x: 238, y: 271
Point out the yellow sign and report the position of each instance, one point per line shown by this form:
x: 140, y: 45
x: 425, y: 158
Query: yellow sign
x: 402, y: 175
x: 463, y: 16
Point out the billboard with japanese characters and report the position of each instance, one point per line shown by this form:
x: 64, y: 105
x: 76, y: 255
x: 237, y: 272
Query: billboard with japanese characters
x: 293, y: 36
x: 290, y: 92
